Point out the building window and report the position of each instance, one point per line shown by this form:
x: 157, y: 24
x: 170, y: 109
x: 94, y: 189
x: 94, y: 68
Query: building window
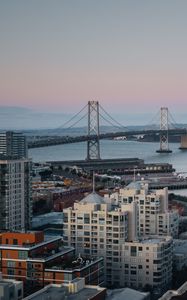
x: 10, y: 271
x: 22, y: 254
x: 79, y: 227
x: 86, y: 233
x: 68, y: 277
x: 133, y: 250
x: 19, y: 293
x: 15, y: 241
x: 11, y: 264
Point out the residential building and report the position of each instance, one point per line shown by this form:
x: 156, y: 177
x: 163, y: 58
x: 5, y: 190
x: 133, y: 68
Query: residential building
x: 38, y: 261
x: 13, y: 144
x: 154, y: 216
x: 96, y: 227
x: 147, y: 262
x: 15, y: 194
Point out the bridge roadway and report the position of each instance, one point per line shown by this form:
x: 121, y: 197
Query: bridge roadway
x: 59, y: 140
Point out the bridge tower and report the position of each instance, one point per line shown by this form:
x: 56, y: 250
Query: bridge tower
x: 93, y: 143
x: 164, y: 143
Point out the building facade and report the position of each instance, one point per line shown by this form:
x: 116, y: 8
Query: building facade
x: 15, y: 194
x: 147, y: 262
x: 93, y: 228
x: 38, y: 261
x: 13, y: 144
x: 154, y: 217
x: 97, y: 227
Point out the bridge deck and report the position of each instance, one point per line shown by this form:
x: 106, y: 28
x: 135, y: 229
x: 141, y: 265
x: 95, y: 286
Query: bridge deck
x: 59, y: 140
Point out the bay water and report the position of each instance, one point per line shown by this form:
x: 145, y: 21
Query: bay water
x: 116, y: 149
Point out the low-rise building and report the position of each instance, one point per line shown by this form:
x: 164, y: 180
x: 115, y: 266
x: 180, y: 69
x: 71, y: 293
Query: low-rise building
x: 71, y: 291
x: 39, y: 261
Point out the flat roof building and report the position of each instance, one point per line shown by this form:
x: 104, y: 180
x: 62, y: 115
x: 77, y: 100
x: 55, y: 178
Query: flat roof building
x: 75, y: 290
x: 10, y: 289
x: 39, y: 260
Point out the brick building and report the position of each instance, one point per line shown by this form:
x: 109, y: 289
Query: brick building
x: 38, y: 261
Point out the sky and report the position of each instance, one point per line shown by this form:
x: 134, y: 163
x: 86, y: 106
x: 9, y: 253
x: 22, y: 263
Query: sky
x: 130, y: 55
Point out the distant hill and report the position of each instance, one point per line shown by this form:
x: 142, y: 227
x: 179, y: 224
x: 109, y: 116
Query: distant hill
x: 47, y: 123
x: 14, y: 109
x: 21, y: 118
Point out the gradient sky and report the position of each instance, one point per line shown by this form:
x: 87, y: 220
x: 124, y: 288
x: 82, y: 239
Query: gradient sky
x: 128, y: 54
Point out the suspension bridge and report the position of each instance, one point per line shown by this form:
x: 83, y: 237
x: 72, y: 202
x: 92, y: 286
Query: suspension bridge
x: 94, y: 113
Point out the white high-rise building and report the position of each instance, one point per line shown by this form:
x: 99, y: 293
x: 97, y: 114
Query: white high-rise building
x: 15, y: 194
x: 153, y: 214
x: 147, y: 262
x: 97, y: 227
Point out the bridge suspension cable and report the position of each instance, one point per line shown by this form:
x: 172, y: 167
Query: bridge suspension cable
x: 119, y: 125
x: 155, y: 120
x: 75, y: 123
x: 108, y: 121
x: 172, y: 121
x: 72, y: 118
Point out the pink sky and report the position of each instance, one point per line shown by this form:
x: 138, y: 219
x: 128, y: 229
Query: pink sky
x: 128, y: 57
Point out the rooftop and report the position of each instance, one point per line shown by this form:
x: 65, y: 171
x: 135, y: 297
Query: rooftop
x: 93, y: 198
x: 180, y: 247
x: 51, y: 254
x: 126, y: 293
x: 60, y: 292
x: 49, y: 218
x: 134, y: 185
x: 73, y: 264
x: 29, y: 246
x: 153, y: 239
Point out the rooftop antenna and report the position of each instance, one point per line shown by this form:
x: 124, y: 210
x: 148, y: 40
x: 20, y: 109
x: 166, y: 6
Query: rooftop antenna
x: 134, y: 177
x: 93, y: 182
